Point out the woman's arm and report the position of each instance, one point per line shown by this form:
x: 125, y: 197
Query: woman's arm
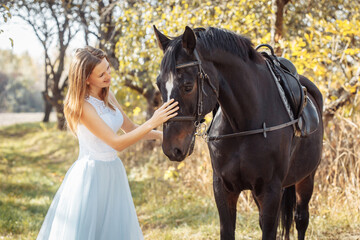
x: 154, y: 134
x: 99, y: 128
x: 129, y: 126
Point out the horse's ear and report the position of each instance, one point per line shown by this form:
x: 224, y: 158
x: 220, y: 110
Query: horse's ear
x: 189, y: 40
x: 161, y: 39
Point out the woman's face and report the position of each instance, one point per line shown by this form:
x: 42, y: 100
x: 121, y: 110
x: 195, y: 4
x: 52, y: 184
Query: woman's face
x: 100, y: 76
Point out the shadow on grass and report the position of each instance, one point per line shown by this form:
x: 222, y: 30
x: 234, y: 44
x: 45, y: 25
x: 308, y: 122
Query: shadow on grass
x: 23, y: 207
x: 22, y: 159
x: 20, y: 130
x: 18, y: 218
x: 29, y: 190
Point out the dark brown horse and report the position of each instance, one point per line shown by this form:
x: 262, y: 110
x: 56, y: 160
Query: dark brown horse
x: 203, y: 68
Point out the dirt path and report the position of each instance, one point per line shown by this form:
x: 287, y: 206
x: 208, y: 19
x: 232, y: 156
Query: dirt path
x: 13, y: 118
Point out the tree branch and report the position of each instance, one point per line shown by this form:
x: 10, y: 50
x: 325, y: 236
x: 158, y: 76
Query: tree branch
x: 128, y: 83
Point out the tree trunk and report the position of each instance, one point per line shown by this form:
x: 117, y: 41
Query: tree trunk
x: 277, y: 21
x: 61, y: 123
x: 47, y: 108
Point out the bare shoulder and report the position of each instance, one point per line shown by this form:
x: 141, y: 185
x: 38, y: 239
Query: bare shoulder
x: 87, y: 107
x: 88, y: 112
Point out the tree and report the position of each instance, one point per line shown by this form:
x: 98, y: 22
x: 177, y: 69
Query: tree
x: 100, y: 19
x: 277, y: 20
x: 5, y: 12
x: 139, y: 57
x: 52, y: 24
x: 19, y: 83
x: 327, y: 46
x: 4, y: 79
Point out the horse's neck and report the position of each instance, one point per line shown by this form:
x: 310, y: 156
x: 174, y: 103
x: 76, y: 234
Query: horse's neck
x: 237, y: 96
x: 244, y: 93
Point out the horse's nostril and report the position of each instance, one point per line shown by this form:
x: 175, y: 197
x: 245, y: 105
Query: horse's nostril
x: 177, y: 152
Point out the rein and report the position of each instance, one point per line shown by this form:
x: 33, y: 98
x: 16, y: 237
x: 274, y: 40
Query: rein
x: 200, y: 126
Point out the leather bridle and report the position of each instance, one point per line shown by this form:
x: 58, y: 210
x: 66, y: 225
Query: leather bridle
x: 197, y: 118
x: 202, y: 77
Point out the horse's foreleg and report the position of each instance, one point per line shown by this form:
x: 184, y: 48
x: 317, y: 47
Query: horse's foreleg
x: 268, y: 201
x: 304, y: 190
x: 258, y: 205
x: 226, y: 204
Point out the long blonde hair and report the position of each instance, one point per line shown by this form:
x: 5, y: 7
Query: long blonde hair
x: 81, y: 67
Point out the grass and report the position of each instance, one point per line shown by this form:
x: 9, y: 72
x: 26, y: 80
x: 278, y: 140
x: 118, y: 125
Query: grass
x: 173, y: 201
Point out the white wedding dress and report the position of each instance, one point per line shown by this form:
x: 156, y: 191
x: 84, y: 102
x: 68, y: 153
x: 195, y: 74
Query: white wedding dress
x: 94, y: 201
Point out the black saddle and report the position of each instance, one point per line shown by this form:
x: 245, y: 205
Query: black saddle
x: 296, y: 94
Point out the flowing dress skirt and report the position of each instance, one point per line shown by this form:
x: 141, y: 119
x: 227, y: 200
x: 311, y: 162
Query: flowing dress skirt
x: 93, y: 203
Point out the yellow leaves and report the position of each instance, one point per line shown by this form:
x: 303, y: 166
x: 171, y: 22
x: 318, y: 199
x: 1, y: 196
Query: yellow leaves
x: 301, y: 43
x: 329, y: 38
x: 217, y: 10
x: 333, y: 98
x: 353, y: 89
x: 322, y: 50
x: 136, y: 111
x: 171, y: 174
x: 249, y: 19
x: 309, y: 37
x: 181, y: 165
x: 353, y: 51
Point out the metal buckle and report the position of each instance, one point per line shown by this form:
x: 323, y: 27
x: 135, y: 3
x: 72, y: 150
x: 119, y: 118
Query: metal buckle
x: 200, y: 129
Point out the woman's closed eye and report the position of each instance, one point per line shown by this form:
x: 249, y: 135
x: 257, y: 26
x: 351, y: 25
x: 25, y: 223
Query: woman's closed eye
x: 101, y: 75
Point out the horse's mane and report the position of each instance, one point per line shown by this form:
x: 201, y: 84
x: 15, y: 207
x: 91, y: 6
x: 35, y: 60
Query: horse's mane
x: 211, y: 39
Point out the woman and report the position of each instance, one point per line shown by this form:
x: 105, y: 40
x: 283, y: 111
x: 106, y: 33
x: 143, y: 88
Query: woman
x: 94, y: 201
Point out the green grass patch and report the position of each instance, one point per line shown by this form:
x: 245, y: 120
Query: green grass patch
x: 35, y: 157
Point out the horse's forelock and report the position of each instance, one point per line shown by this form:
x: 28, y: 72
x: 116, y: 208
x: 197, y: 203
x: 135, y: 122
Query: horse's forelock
x: 168, y: 63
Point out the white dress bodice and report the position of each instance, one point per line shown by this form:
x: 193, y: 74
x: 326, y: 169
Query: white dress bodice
x: 92, y: 146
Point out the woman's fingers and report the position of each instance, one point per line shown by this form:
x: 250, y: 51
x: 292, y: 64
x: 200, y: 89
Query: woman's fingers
x: 171, y: 116
x: 172, y: 110
x: 167, y: 103
x: 166, y: 111
x: 171, y: 106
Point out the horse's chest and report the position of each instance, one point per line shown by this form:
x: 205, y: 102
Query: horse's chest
x: 240, y: 166
x: 228, y: 165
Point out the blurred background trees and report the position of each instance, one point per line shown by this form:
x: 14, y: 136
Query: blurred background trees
x: 20, y: 83
x: 320, y: 37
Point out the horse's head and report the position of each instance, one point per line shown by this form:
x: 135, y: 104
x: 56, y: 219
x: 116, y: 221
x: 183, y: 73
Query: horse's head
x: 182, y: 77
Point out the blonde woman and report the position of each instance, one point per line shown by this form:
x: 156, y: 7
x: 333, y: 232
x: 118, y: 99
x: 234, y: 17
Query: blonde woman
x: 94, y: 201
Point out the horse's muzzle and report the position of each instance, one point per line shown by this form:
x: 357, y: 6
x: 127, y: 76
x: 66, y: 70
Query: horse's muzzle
x: 178, y: 153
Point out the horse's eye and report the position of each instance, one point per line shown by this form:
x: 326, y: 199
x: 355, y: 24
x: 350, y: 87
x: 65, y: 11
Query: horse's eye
x: 188, y: 88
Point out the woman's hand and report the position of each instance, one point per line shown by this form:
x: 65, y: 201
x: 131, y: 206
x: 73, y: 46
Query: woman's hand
x: 164, y: 113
